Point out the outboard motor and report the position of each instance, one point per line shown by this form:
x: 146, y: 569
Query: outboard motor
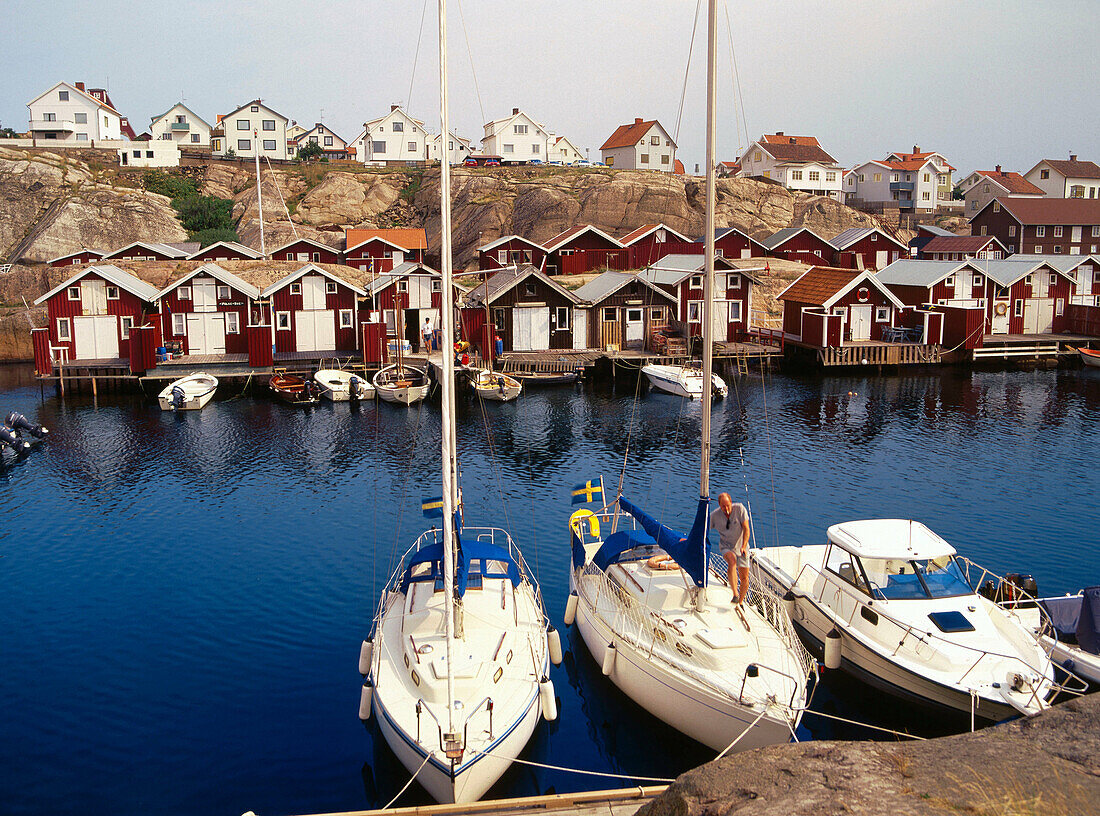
x: 9, y: 437
x: 1026, y: 589
x: 178, y: 398
x: 18, y: 422
x: 353, y: 387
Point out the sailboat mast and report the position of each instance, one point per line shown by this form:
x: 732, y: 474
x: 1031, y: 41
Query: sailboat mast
x: 259, y: 195
x: 448, y: 384
x: 708, y: 262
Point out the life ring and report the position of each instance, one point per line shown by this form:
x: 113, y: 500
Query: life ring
x: 662, y: 562
x: 582, y: 515
x: 1000, y: 309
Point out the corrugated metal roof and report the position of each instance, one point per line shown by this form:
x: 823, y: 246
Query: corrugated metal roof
x: 850, y: 236
x: 911, y: 272
x: 961, y: 243
x: 504, y: 239
x: 216, y: 272
x: 111, y: 274
x: 293, y: 276
x: 402, y: 270
x: 1063, y: 263
x: 509, y: 277
x: 934, y: 230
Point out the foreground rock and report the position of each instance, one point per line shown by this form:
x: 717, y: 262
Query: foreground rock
x: 1049, y: 764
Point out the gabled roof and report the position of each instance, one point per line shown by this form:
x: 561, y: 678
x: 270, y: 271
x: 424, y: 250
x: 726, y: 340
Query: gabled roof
x: 510, y: 277
x: 1006, y: 272
x: 1012, y: 182
x: 563, y: 238
x: 933, y: 230
x: 402, y: 270
x: 911, y: 272
x: 305, y: 135
x: 493, y: 127
x: 786, y: 234
x: 1063, y: 263
x: 111, y: 274
x: 1072, y: 168
x: 248, y: 252
x: 825, y: 285
x: 73, y: 89
x: 216, y: 272
x: 630, y: 135
x: 853, y: 235
x: 722, y: 232
x: 794, y: 148
x: 407, y: 238
x: 920, y: 156
x: 962, y: 243
x: 672, y: 270
x: 81, y: 251
x: 259, y: 102
x: 309, y: 241
x: 178, y: 105
x: 1049, y: 210
x: 391, y: 112
x: 170, y: 250
x: 608, y: 283
x: 305, y: 270
x: 648, y: 229
x: 504, y: 239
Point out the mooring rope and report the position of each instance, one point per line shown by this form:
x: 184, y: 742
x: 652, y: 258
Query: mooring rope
x: 578, y: 770
x: 741, y: 736
x: 411, y: 778
x: 838, y: 718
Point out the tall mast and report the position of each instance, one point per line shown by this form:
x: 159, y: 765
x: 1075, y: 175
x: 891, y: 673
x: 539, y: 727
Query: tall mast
x: 708, y: 262
x: 259, y: 195
x: 448, y: 384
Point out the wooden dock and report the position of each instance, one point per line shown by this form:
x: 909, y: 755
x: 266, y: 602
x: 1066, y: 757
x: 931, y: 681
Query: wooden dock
x: 623, y: 802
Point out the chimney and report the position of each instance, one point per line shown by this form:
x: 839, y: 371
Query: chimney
x: 394, y: 107
x: 793, y: 140
x: 1073, y: 157
x: 80, y: 86
x: 997, y: 169
x: 637, y: 120
x: 916, y: 148
x: 779, y: 133
x: 515, y: 111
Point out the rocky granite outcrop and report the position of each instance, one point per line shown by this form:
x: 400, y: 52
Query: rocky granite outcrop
x: 1049, y: 764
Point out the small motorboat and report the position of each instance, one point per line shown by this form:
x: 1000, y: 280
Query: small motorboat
x: 1070, y: 629
x: 892, y: 604
x: 188, y: 393
x: 401, y: 383
x: 532, y: 379
x: 294, y: 390
x: 1090, y: 357
x: 340, y: 386
x: 494, y: 385
x: 682, y: 380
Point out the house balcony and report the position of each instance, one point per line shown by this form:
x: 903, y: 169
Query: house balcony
x: 42, y: 125
x: 179, y: 127
x: 902, y: 186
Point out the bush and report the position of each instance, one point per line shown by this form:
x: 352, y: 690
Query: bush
x: 212, y: 236
x: 174, y: 187
x: 204, y: 213
x: 310, y: 151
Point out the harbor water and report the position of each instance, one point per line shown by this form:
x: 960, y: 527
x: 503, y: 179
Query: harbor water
x: 183, y: 597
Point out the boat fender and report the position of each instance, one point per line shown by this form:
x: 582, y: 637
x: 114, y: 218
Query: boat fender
x: 662, y: 562
x: 832, y: 649
x: 366, y: 652
x: 19, y: 422
x: 549, y: 702
x: 178, y: 397
x: 571, y: 608
x: 788, y: 603
x: 11, y: 439
x: 553, y: 645
x: 366, y: 697
x: 608, y: 665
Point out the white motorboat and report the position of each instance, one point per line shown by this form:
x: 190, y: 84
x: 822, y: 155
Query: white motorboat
x: 188, y: 393
x: 340, y: 386
x: 494, y: 385
x: 457, y: 667
x: 401, y: 383
x: 1069, y: 628
x: 683, y: 380
x: 890, y: 602
x: 1090, y: 357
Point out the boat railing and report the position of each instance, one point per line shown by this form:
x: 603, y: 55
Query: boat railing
x: 421, y: 705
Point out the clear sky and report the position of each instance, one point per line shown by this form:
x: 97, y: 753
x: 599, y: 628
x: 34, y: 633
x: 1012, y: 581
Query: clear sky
x: 984, y: 82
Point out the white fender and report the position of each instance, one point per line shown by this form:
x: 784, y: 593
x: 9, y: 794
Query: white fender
x: 366, y: 697
x: 549, y: 703
x: 553, y: 645
x: 608, y: 665
x: 571, y: 609
x: 366, y: 652
x: 832, y: 649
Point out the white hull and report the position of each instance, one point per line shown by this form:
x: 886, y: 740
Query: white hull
x: 336, y: 385
x: 1068, y: 656
x: 389, y: 388
x: 402, y: 396
x: 198, y: 390
x: 495, y: 386
x: 683, y: 381
x: 1091, y: 360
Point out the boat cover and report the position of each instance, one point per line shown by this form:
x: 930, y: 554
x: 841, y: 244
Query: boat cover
x: 1077, y: 617
x: 1064, y: 614
x: 688, y: 549
x: 468, y: 552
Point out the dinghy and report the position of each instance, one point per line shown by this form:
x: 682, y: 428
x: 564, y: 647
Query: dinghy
x: 340, y: 386
x: 1089, y: 357
x: 682, y: 380
x: 892, y: 604
x: 530, y: 379
x: 188, y: 393
x: 494, y: 385
x: 293, y: 390
x: 401, y: 383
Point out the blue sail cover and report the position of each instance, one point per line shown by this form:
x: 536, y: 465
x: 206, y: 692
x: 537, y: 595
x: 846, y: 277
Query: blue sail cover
x: 1088, y: 625
x: 479, y: 551
x: 689, y: 550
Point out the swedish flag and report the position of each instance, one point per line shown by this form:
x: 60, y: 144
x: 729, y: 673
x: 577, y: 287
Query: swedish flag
x: 589, y: 491
x: 432, y: 507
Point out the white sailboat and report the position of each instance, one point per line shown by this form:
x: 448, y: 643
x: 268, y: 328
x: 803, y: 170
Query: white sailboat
x: 667, y: 632
x: 457, y: 668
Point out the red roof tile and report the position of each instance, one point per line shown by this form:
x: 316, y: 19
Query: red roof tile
x: 959, y: 243
x: 1064, y: 211
x: 1013, y: 182
x: 795, y: 148
x: 410, y: 239
x: 628, y: 135
x: 783, y: 138
x: 818, y: 284
x: 1075, y: 168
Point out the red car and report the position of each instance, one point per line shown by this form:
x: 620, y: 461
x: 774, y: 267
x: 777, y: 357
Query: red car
x: 470, y: 163
x: 492, y: 162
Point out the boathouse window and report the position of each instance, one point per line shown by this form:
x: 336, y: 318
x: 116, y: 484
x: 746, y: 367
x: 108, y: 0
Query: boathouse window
x: 1053, y: 279
x: 562, y: 318
x: 949, y: 281
x: 1038, y: 249
x: 1058, y: 231
x: 695, y: 312
x: 282, y: 321
x: 402, y: 286
x: 184, y: 293
x: 316, y: 257
x: 345, y: 319
x: 127, y: 323
x: 656, y: 314
x: 1018, y: 307
x: 882, y: 314
x: 979, y: 280
x: 735, y: 311
x: 733, y: 281
x: 498, y: 319
x: 232, y: 323
x: 847, y: 567
x: 610, y: 315
x: 112, y: 293
x: 295, y: 288
x: 63, y: 328
x: 223, y: 293
x: 529, y: 289
x: 330, y: 287
x: 1059, y: 306
x: 1040, y: 232
x: 74, y: 292
x: 179, y: 324
x: 696, y: 282
x: 437, y: 285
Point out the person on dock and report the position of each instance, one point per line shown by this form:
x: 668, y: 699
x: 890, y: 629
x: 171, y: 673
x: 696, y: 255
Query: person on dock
x: 426, y: 336
x: 731, y: 520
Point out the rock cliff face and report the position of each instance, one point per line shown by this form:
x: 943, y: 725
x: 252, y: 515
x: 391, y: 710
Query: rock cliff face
x: 1046, y: 764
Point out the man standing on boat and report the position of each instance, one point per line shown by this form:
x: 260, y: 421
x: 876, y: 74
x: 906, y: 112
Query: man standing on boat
x: 731, y: 520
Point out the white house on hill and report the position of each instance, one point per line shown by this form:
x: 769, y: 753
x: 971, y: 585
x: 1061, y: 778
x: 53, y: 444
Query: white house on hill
x: 395, y: 138
x: 181, y: 125
x: 796, y: 162
x: 250, y: 129
x: 516, y: 138
x: 68, y: 113
x: 643, y: 145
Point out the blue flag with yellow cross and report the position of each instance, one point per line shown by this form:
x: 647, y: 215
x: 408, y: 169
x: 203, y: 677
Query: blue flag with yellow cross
x: 587, y: 492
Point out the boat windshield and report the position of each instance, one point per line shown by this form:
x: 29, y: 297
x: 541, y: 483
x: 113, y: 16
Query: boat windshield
x: 896, y: 579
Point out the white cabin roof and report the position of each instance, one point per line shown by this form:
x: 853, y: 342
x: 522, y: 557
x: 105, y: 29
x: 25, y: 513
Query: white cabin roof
x: 889, y: 538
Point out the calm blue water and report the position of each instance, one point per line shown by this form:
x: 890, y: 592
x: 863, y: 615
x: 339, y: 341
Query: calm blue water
x: 183, y: 597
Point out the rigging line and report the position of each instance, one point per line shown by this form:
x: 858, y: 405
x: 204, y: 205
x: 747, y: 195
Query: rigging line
x: 578, y: 770
x: 741, y: 736
x: 737, y: 84
x: 396, y: 549
x: 494, y: 466
x: 416, y: 56
x: 771, y: 458
x: 281, y: 199
x: 470, y: 53
x: 411, y: 778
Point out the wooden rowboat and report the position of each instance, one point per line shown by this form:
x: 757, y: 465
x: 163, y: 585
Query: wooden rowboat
x: 537, y: 378
x: 293, y: 390
x: 1090, y: 357
x: 494, y: 385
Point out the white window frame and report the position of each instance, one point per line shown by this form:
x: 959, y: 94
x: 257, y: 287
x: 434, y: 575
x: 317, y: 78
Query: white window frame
x: 733, y: 281
x: 402, y: 286
x: 1018, y: 307
x: 1057, y: 230
x: 64, y: 330
x: 232, y: 323
x: 882, y: 314
x: 296, y: 288
x: 979, y: 280
x: 347, y: 319
x: 561, y: 317
x: 73, y: 290
x: 656, y: 314
x: 112, y: 292
x: 437, y: 285
x: 330, y: 287
x: 734, y: 311
x: 949, y: 281
x: 282, y: 321
x: 695, y: 282
x: 222, y: 292
x: 126, y: 322
x: 695, y: 311
x: 179, y: 324
x: 1041, y: 232
x: 183, y: 293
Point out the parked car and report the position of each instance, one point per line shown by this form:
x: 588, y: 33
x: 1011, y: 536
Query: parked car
x: 470, y: 163
x: 492, y: 162
x: 535, y: 161
x: 598, y: 164
x: 581, y: 163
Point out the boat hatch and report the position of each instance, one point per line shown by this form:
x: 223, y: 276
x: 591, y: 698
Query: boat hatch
x: 466, y: 666
x: 727, y: 638
x: 951, y: 621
